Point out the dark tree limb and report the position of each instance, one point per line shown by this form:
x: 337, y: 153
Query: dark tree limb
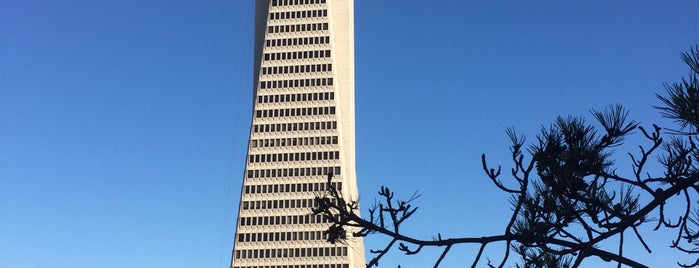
x: 563, y: 206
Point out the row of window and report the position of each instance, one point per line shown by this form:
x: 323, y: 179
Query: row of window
x: 290, y: 188
x: 282, y: 220
x: 296, y: 2
x: 296, y: 141
x: 292, y: 28
x: 329, y: 110
x: 296, y: 97
x: 293, y: 55
x: 282, y: 236
x: 297, y: 69
x: 298, y: 14
x: 299, y: 266
x: 297, y: 83
x: 275, y: 204
x: 290, y: 252
x: 266, y: 128
x: 317, y: 40
x: 291, y: 157
x: 291, y: 172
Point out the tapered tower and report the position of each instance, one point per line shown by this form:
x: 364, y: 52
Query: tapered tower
x: 302, y: 129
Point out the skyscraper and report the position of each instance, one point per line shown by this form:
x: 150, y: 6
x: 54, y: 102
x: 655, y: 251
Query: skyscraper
x: 302, y: 129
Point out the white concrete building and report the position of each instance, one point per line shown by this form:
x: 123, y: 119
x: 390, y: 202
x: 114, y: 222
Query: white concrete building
x: 302, y: 129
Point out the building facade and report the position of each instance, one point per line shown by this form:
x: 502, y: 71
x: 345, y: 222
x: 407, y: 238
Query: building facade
x: 302, y: 129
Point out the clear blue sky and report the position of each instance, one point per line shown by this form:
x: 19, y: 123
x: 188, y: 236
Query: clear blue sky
x: 123, y: 124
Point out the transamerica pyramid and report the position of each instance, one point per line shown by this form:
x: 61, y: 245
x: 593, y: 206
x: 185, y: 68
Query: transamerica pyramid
x: 302, y: 129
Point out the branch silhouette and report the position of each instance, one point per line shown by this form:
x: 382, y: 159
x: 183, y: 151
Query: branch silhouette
x: 561, y: 191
